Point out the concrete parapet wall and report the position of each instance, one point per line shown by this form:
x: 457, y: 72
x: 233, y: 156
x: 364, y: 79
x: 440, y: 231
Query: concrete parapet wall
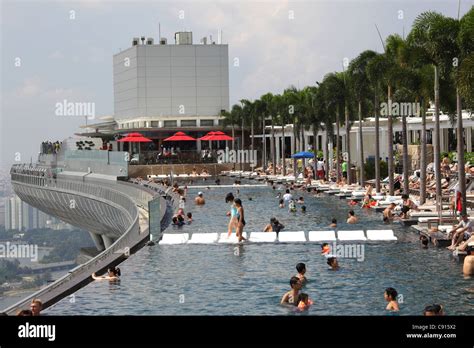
x: 166, y: 169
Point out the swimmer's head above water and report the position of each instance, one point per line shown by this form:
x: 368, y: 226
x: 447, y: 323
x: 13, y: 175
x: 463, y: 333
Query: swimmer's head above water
x: 229, y: 197
x: 301, y: 268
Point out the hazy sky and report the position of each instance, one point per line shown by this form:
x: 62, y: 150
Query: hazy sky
x: 277, y: 43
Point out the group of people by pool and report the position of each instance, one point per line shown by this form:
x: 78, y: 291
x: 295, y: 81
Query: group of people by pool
x: 302, y: 301
x: 294, y: 297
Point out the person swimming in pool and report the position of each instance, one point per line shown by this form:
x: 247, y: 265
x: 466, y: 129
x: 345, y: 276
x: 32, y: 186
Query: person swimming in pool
x: 351, y: 218
x: 332, y: 261
x: 281, y: 203
x: 113, y: 274
x: 390, y: 295
x: 291, y: 297
x: 325, y: 249
x: 232, y: 213
x: 304, y: 302
x: 240, y: 219
x: 424, y: 242
x: 292, y: 206
x: 433, y: 310
x: 301, y: 269
x: 274, y: 226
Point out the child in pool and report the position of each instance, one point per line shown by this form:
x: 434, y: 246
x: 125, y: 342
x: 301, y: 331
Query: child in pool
x: 390, y: 296
x: 304, y: 301
x: 301, y: 268
x: 325, y: 249
x: 292, y: 207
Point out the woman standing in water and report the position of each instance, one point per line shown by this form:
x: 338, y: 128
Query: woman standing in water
x: 232, y: 213
x: 240, y: 219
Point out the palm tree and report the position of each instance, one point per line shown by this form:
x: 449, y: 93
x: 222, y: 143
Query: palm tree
x: 360, y: 89
x: 333, y: 89
x: 293, y: 104
x: 232, y: 118
x: 436, y: 35
x: 393, y: 44
x: 423, y: 89
x: 313, y: 114
x: 376, y: 71
x: 345, y: 78
x: 267, y: 99
x: 277, y: 117
x: 259, y: 119
x: 464, y: 88
x: 247, y: 112
x: 308, y: 118
x: 325, y: 117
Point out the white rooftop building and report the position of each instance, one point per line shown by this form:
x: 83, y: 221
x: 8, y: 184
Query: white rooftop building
x: 161, y: 85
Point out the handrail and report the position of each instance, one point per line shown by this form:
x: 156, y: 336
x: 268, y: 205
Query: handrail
x: 121, y: 246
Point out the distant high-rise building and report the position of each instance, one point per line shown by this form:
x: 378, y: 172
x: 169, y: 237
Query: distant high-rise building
x: 23, y: 217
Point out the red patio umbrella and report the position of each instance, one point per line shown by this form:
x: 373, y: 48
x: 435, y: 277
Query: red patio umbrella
x: 219, y: 136
x: 216, y: 136
x: 135, y: 138
x: 180, y: 136
x: 206, y: 137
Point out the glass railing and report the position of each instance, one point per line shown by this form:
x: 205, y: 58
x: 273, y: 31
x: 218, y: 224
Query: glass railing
x: 119, y: 249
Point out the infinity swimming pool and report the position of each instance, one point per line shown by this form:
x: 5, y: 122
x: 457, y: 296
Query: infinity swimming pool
x: 250, y: 279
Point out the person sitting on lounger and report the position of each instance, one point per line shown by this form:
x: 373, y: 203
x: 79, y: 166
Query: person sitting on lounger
x: 408, y: 205
x: 461, y: 231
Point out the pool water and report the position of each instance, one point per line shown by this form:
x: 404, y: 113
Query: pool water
x: 250, y: 279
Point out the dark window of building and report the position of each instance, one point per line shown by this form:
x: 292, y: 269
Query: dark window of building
x: 169, y: 124
x: 188, y: 123
x: 207, y: 123
x: 154, y: 123
x: 221, y: 122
